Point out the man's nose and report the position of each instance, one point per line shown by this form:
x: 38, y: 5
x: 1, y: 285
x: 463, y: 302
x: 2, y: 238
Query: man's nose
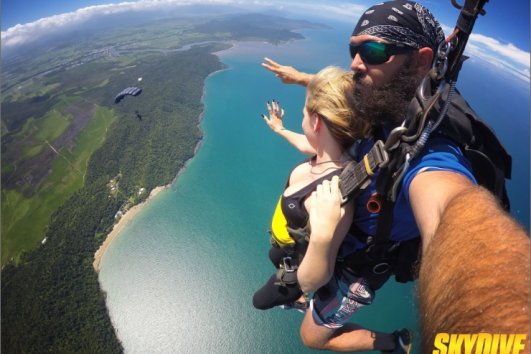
x: 357, y: 65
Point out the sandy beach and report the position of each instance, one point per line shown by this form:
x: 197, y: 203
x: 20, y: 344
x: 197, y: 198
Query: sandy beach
x: 133, y: 211
x: 118, y: 227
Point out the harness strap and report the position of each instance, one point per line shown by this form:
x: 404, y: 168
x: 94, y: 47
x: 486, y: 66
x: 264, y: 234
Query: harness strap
x: 383, y: 230
x: 355, y: 177
x: 300, y: 235
x: 287, y: 272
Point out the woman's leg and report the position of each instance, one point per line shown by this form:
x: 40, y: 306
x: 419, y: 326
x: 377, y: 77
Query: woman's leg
x: 271, y: 295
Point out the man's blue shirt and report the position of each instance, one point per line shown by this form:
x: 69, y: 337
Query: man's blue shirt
x: 439, y: 154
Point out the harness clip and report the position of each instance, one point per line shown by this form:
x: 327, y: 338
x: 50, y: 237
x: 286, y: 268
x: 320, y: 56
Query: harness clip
x: 393, y: 140
x: 288, y: 265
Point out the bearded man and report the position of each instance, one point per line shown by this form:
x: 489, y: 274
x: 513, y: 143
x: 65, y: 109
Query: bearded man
x: 464, y: 287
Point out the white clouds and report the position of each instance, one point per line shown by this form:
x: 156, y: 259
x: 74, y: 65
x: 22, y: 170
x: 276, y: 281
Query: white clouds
x: 503, y: 55
x: 25, y: 33
x: 509, y: 50
x: 337, y: 11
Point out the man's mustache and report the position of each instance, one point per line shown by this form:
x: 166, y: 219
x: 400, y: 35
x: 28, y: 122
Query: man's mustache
x: 358, y: 76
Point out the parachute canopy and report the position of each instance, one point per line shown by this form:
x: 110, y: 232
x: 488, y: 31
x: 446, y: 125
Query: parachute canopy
x: 133, y: 91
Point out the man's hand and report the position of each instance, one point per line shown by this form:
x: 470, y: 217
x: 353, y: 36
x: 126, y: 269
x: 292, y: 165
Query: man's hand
x: 326, y: 211
x: 287, y: 74
x: 276, y: 114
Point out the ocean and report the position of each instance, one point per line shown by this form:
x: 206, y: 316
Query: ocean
x: 180, y: 277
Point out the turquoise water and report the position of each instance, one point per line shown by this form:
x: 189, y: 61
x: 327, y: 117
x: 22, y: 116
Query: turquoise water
x: 180, y: 277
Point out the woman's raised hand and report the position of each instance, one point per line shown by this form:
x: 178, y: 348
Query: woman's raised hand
x: 276, y: 114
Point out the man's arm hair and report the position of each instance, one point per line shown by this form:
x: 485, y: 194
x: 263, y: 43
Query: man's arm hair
x: 474, y: 276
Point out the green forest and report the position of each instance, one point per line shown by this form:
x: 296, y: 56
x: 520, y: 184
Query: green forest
x: 61, y: 308
x: 51, y: 300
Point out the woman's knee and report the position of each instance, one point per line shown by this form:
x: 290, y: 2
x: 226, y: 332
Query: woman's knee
x: 261, y: 302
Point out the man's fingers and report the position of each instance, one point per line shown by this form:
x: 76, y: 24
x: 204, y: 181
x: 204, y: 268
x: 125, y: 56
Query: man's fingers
x: 270, y: 63
x: 269, y: 67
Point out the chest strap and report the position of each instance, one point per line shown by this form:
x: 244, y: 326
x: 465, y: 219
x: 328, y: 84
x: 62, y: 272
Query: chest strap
x: 355, y: 177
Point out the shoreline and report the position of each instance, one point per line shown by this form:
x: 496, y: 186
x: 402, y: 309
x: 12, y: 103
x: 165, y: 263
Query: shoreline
x: 119, y: 226
x: 133, y: 211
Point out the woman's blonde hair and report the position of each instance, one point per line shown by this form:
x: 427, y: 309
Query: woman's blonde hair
x: 330, y: 93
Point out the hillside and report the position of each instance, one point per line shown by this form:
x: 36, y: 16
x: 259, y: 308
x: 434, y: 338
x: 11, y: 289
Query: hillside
x: 71, y: 158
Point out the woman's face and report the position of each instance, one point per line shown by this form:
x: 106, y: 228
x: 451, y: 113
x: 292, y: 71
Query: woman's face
x: 308, y: 121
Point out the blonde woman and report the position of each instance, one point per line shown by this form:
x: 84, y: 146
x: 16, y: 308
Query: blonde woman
x: 330, y: 129
x: 310, y: 213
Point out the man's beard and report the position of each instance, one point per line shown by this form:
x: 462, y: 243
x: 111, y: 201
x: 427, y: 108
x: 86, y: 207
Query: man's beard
x: 388, y: 104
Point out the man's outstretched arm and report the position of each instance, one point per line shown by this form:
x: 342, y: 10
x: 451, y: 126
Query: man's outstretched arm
x: 287, y: 74
x: 474, y: 276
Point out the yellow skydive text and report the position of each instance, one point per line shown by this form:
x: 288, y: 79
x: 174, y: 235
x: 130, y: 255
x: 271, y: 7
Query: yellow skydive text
x: 479, y: 343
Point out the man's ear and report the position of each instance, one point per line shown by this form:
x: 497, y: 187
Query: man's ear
x: 425, y: 58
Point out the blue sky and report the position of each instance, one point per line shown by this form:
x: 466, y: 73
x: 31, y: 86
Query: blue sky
x: 506, y: 23
x: 501, y: 37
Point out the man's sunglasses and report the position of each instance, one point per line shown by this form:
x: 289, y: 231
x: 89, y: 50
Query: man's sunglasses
x: 376, y: 53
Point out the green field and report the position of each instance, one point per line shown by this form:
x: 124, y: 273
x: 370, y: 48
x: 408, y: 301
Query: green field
x: 24, y: 220
x: 38, y: 132
x: 64, y: 140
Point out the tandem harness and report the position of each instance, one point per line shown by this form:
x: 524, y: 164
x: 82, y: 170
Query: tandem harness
x: 287, y: 271
x: 293, y: 236
x: 294, y: 242
x: 436, y: 108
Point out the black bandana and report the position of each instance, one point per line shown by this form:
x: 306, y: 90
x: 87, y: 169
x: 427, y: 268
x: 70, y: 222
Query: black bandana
x: 401, y: 21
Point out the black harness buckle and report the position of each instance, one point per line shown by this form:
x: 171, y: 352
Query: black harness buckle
x: 287, y: 273
x: 288, y: 265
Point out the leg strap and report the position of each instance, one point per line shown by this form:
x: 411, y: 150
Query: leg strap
x: 287, y: 273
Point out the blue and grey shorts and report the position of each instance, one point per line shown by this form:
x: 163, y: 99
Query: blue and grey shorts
x: 334, y: 304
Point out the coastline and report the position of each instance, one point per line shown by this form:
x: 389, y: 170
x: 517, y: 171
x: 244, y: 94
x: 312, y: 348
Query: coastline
x: 133, y: 211
x: 118, y: 227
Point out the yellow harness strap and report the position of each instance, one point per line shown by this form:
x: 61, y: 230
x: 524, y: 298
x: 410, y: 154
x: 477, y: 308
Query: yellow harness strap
x: 367, y: 165
x: 279, y: 225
